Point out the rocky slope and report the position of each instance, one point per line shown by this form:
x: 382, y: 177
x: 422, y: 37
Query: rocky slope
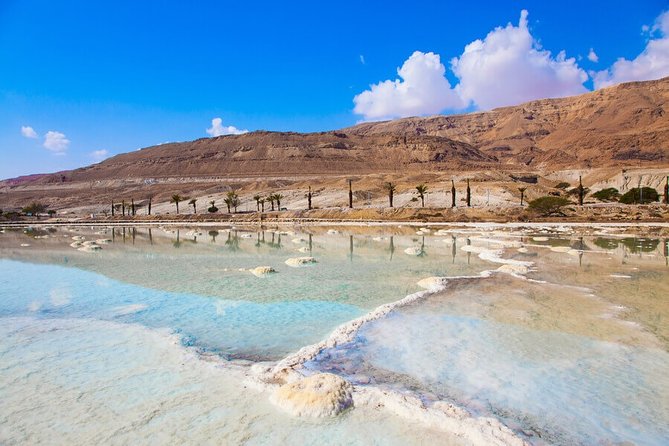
x: 625, y: 125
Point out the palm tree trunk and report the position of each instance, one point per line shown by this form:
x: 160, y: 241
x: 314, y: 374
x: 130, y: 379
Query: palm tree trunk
x: 177, y: 203
x: 390, y: 198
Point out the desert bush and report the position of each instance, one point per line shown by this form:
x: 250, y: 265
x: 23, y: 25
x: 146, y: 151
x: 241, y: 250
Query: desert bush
x: 640, y: 196
x: 549, y: 205
x: 562, y: 185
x: 608, y: 194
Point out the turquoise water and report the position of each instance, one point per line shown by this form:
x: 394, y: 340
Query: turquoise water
x: 149, y: 340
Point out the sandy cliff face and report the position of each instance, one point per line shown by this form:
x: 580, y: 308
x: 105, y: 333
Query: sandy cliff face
x: 625, y: 124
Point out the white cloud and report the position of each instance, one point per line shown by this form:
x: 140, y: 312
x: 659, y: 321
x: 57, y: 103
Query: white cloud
x: 509, y: 67
x: 99, y: 155
x: 423, y: 89
x: 218, y: 129
x: 592, y: 56
x: 56, y: 142
x: 362, y: 59
x: 28, y: 132
x: 652, y: 63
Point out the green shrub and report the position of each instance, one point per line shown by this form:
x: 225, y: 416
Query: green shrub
x: 212, y: 209
x: 34, y: 208
x: 608, y: 194
x: 640, y: 196
x: 549, y: 205
x: 574, y: 192
x: 562, y: 185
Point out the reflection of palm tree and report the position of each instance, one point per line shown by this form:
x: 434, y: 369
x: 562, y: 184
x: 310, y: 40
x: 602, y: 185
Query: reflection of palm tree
x: 192, y: 203
x: 391, y: 247
x: 453, y: 247
x: 177, y: 243
x: 232, y: 242
x: 422, y: 248
x: 213, y: 234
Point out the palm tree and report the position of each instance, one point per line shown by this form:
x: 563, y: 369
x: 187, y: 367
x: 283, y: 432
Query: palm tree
x: 309, y: 197
x: 421, y: 190
x: 257, y: 198
x: 452, y: 193
x: 278, y: 198
x: 271, y: 199
x: 232, y: 199
x: 391, y: 188
x: 176, y: 199
x: 522, y: 194
x: 192, y: 203
x: 262, y: 205
x: 469, y: 194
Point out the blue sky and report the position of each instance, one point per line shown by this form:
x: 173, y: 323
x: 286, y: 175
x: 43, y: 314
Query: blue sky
x: 111, y: 77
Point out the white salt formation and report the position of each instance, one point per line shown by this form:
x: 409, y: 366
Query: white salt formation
x: 261, y: 271
x: 316, y: 396
x: 300, y: 261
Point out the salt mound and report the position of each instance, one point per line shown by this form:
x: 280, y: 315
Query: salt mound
x: 432, y: 283
x: 260, y: 271
x: 303, y: 249
x: 560, y: 249
x: 413, y: 251
x: 78, y: 237
x: 333, y: 231
x: 103, y: 241
x: 246, y: 235
x: 540, y: 239
x: 522, y: 249
x: 300, y: 261
x: 89, y: 248
x: 318, y: 396
x: 25, y: 245
x: 514, y: 270
x: 76, y: 244
x: 298, y: 240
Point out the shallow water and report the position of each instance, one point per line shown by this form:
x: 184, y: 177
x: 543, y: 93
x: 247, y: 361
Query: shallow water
x: 575, y: 355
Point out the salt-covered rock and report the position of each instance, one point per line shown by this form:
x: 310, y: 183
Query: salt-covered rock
x: 246, y: 235
x: 432, y: 283
x: 540, y: 239
x: 304, y: 249
x: 76, y: 244
x: 333, y: 231
x: 90, y: 248
x: 300, y: 261
x: 522, y: 249
x: 25, y: 245
x: 298, y: 240
x: 413, y: 251
x: 514, y: 270
x: 78, y: 238
x: 560, y: 249
x: 261, y: 271
x: 103, y: 241
x: 317, y: 396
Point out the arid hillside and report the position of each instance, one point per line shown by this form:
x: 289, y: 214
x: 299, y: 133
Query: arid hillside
x: 615, y: 137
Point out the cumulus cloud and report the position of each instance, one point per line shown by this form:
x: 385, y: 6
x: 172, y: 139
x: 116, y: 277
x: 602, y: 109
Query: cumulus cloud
x: 652, y: 63
x: 28, y: 132
x: 99, y: 155
x: 507, y: 67
x: 422, y: 89
x: 218, y: 129
x: 592, y: 56
x: 56, y: 142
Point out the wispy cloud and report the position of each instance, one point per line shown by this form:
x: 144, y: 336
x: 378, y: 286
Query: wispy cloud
x: 592, y: 56
x: 28, y: 132
x: 218, y: 129
x: 99, y: 155
x: 56, y: 142
x: 362, y: 59
x: 652, y: 63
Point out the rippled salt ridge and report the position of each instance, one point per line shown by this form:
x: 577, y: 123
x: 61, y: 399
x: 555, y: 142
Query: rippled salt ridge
x: 575, y: 354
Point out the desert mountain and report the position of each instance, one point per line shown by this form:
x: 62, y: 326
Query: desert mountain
x: 624, y: 125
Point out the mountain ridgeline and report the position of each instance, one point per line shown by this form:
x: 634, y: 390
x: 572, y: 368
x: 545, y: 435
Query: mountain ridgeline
x: 624, y: 125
